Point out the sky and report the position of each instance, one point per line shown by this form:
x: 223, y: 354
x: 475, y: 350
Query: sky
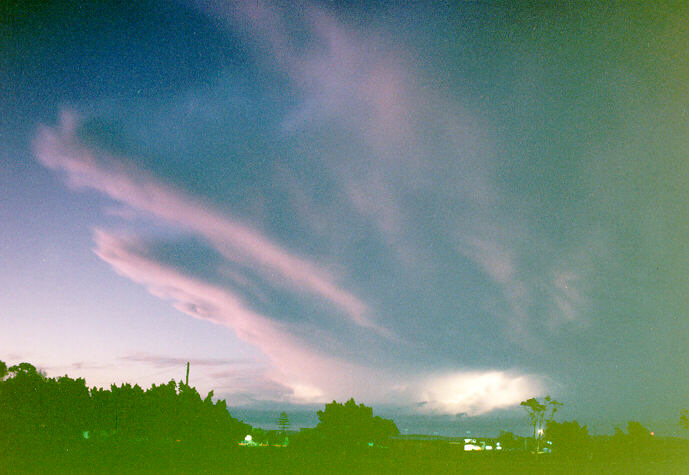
x: 440, y: 210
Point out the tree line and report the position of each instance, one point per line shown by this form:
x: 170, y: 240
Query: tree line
x: 60, y: 424
x: 572, y: 439
x: 39, y: 409
x: 36, y: 408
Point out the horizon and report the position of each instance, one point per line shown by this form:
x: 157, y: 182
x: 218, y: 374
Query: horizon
x: 440, y: 211
x: 265, y: 414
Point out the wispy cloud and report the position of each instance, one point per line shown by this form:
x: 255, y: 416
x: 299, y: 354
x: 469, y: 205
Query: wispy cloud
x: 492, y: 258
x: 297, y: 373
x: 354, y: 80
x: 169, y: 361
x: 294, y: 364
x: 238, y: 381
x: 415, y: 167
x: 59, y: 148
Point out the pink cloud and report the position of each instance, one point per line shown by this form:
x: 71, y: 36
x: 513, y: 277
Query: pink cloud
x: 568, y: 299
x: 363, y: 81
x: 169, y: 361
x: 258, y: 20
x: 496, y: 260
x: 342, y: 71
x: 294, y: 365
x: 238, y: 381
x: 58, y: 148
x: 296, y: 373
x: 342, y: 74
x: 493, y: 259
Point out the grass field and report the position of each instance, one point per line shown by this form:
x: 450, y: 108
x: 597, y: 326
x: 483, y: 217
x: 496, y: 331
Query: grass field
x: 142, y: 457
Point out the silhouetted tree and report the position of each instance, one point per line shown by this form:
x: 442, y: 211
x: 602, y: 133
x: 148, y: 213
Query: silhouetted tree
x: 352, y: 424
x: 24, y: 368
x: 637, y: 432
x: 684, y: 418
x: 509, y: 441
x: 568, y: 437
x: 538, y: 413
x: 3, y: 370
x: 23, y: 403
x: 535, y: 410
x: 636, y: 442
x: 283, y: 422
x: 35, y: 408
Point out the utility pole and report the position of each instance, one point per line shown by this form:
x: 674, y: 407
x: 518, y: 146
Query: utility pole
x: 187, y: 381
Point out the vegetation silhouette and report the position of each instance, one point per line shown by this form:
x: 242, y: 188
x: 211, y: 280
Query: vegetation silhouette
x: 540, y: 413
x: 568, y: 438
x: 509, y: 441
x: 350, y: 424
x: 50, y: 425
x: 283, y: 424
x: 34, y: 408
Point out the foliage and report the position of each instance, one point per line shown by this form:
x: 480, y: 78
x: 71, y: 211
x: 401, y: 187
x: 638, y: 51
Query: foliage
x: 265, y: 437
x: 509, y: 441
x: 684, y: 418
x: 352, y: 424
x: 538, y: 412
x: 636, y: 431
x: 283, y: 422
x: 637, y: 441
x: 33, y: 407
x: 568, y: 437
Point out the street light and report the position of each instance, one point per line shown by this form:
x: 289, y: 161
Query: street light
x: 538, y: 442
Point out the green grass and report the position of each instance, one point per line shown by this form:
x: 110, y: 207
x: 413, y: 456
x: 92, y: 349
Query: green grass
x: 146, y: 457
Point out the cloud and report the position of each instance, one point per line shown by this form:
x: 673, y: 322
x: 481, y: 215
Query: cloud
x: 529, y: 283
x: 239, y: 381
x: 58, y: 148
x: 491, y: 257
x: 411, y: 165
x: 351, y: 79
x: 476, y: 393
x: 292, y: 361
x: 168, y: 361
x: 297, y: 373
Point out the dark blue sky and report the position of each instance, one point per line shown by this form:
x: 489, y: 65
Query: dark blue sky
x: 435, y: 210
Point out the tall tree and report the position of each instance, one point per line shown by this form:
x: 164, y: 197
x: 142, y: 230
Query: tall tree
x: 539, y: 413
x: 353, y: 424
x: 283, y: 422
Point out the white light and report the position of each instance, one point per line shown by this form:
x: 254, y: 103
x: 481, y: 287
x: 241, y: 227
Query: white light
x: 476, y: 392
x: 248, y: 438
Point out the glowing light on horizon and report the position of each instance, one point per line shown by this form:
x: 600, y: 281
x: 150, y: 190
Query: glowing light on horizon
x: 477, y: 393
